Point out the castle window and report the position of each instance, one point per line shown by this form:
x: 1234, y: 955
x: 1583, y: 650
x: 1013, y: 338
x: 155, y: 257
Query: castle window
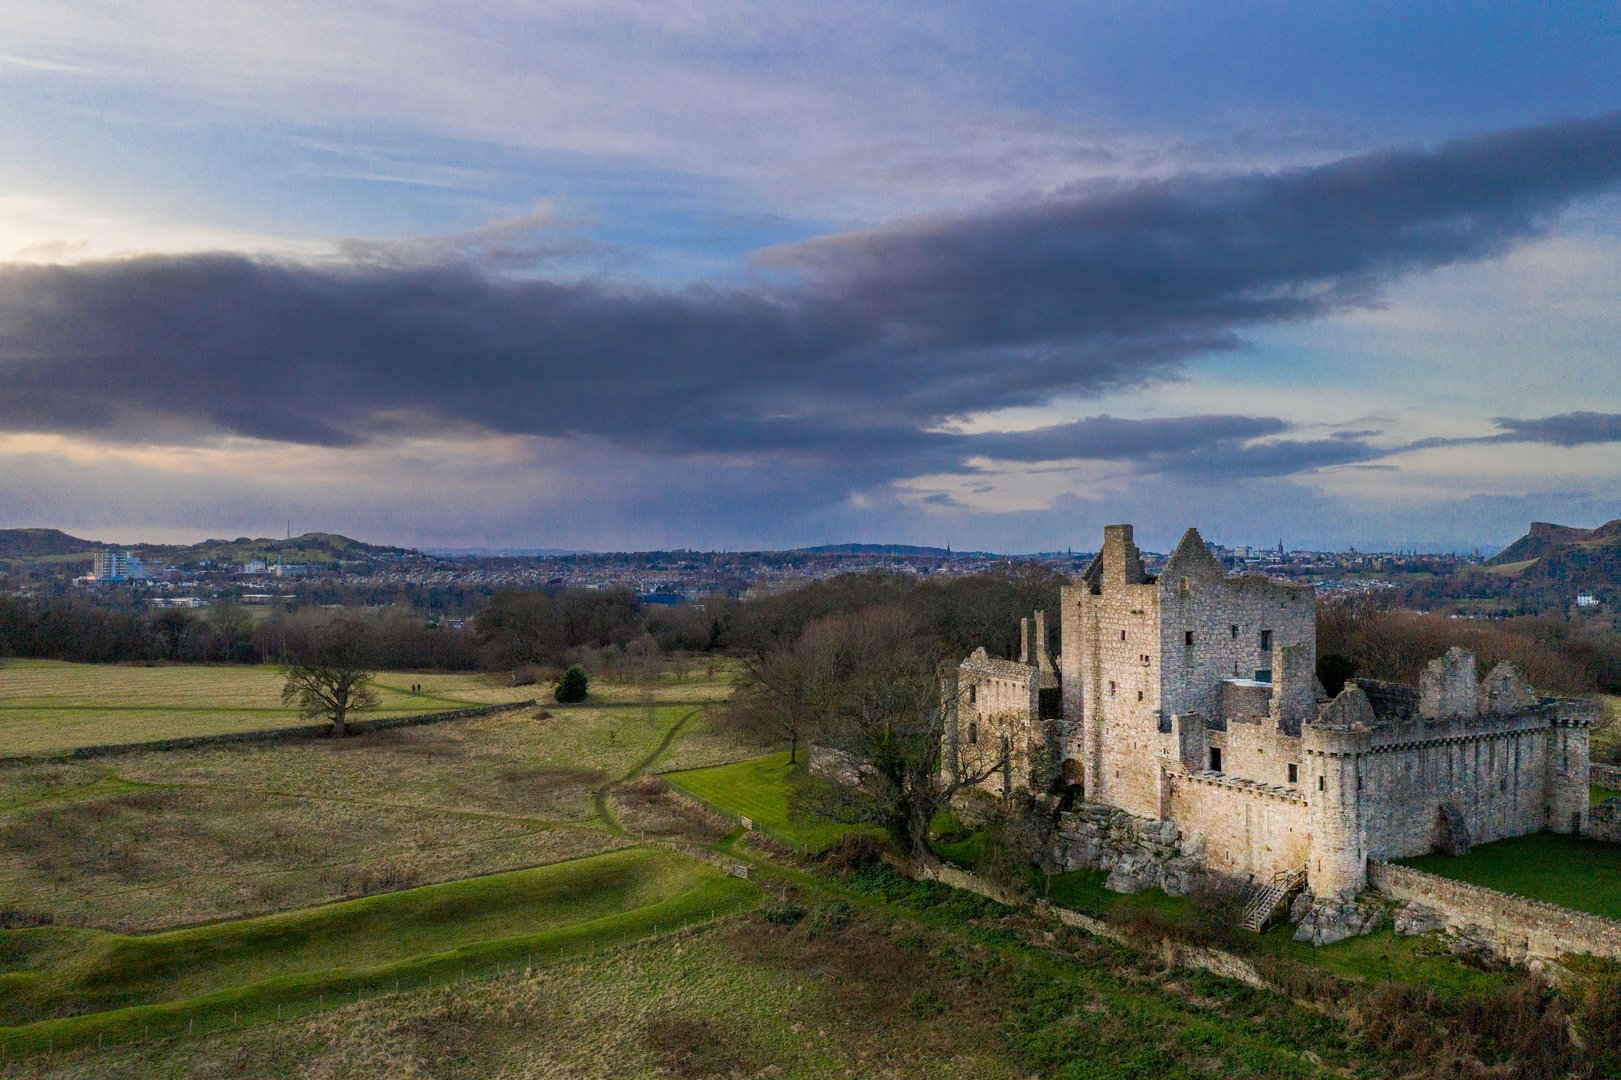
x: 973, y: 694
x: 1187, y: 638
x: 1215, y: 759
x: 1122, y: 635
x: 973, y: 732
x: 1139, y: 695
x: 1235, y: 632
x: 1266, y: 640
x: 1186, y: 584
x: 1294, y: 773
x: 1111, y: 687
x: 1322, y: 782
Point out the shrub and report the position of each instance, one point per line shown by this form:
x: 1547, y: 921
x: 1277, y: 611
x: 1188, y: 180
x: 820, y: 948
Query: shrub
x: 825, y: 918
x: 926, y: 1003
x: 784, y: 914
x: 572, y: 686
x: 856, y: 851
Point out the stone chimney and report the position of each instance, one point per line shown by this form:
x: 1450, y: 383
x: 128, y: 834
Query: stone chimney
x: 1048, y: 675
x: 1294, y: 685
x: 1121, y: 561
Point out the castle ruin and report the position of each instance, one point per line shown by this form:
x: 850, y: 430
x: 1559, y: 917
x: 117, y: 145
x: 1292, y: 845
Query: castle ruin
x: 1191, y: 714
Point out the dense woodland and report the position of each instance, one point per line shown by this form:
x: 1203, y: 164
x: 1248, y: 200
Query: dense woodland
x: 543, y: 631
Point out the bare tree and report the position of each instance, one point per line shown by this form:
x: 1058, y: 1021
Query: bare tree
x: 896, y: 703
x: 332, y: 676
x: 792, y: 691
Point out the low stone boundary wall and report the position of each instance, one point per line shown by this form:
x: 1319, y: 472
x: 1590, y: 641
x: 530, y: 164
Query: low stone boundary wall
x: 302, y: 731
x: 1174, y: 953
x: 1605, y: 776
x: 1521, y: 929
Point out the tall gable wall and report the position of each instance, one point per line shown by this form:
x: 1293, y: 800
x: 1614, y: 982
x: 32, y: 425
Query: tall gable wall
x: 1229, y: 618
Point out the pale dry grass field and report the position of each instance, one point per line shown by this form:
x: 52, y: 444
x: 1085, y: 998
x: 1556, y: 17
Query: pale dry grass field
x: 543, y: 764
x: 168, y: 838
x: 48, y: 706
x: 172, y: 856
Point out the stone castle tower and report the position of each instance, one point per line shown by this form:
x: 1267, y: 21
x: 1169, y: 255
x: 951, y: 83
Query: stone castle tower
x: 1191, y: 697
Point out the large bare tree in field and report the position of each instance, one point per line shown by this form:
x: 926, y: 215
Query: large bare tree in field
x: 331, y: 676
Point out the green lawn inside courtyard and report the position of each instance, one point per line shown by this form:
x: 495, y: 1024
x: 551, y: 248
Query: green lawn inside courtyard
x: 1596, y: 794
x: 1572, y: 871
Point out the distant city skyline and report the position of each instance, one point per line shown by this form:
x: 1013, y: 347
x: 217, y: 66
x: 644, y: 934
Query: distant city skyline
x: 618, y: 277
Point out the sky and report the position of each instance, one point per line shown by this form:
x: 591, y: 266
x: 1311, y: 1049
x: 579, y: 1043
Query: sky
x: 636, y: 275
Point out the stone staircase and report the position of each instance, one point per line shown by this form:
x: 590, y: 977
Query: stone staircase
x: 1268, y: 896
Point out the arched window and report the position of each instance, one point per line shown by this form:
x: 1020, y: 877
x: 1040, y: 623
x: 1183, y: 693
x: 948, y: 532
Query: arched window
x: 973, y: 732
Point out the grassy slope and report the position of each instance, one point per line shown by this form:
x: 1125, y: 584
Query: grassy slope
x: 49, y: 706
x: 1572, y: 871
x: 286, y: 960
x: 758, y: 789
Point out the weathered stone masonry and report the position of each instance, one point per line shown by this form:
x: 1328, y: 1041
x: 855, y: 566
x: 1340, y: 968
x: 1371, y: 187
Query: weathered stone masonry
x: 1191, y: 697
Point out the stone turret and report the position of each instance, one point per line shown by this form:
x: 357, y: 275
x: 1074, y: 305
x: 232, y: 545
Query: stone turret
x: 1335, y: 749
x: 1566, y: 767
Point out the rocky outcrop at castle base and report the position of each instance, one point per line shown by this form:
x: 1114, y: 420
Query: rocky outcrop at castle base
x: 1325, y: 920
x: 1137, y: 853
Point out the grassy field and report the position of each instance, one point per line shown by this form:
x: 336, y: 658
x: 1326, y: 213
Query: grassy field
x: 49, y: 707
x: 846, y: 991
x: 161, y: 839
x: 758, y: 789
x: 1572, y: 871
x: 73, y: 985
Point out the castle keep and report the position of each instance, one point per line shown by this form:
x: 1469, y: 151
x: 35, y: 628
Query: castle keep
x: 1191, y: 708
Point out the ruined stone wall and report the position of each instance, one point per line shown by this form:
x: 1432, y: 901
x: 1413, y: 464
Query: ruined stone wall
x: 1240, y: 828
x: 837, y: 766
x: 1491, y: 772
x: 1256, y: 750
x: 997, y: 722
x: 1604, y: 821
x: 1604, y: 776
x: 1518, y: 928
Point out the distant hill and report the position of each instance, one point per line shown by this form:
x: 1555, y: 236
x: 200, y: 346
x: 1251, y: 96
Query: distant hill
x: 53, y: 544
x: 40, y: 543
x: 1576, y: 559
x: 881, y: 549
x: 308, y: 548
